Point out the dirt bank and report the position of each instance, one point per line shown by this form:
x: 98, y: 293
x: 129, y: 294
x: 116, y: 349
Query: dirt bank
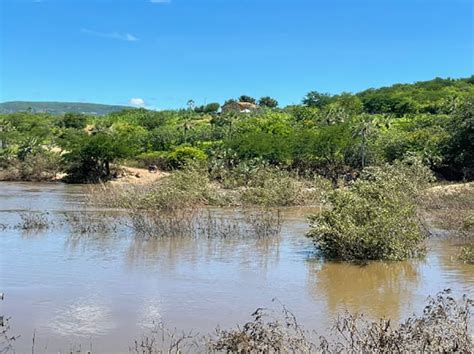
x: 133, y: 175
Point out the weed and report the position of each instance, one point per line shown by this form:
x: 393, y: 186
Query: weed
x: 32, y: 221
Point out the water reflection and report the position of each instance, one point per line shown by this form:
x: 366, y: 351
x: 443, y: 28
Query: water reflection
x: 378, y: 288
x: 88, y: 316
x: 170, y: 252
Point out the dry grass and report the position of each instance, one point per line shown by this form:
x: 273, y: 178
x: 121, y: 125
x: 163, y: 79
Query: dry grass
x: 443, y: 327
x: 204, y: 223
x: 33, y: 221
x: 83, y: 222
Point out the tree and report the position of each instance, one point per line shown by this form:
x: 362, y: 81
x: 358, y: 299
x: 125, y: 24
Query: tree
x: 268, y: 102
x: 74, y: 120
x: 363, y: 129
x: 245, y: 98
x: 460, y: 149
x: 89, y: 156
x: 317, y: 99
x: 208, y: 108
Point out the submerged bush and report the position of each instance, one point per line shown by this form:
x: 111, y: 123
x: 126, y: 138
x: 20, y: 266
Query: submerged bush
x: 466, y: 253
x: 33, y: 221
x: 375, y: 219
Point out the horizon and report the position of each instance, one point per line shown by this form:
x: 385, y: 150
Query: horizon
x: 159, y: 54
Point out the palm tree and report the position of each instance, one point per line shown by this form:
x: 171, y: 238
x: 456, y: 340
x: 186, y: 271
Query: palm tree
x: 367, y: 125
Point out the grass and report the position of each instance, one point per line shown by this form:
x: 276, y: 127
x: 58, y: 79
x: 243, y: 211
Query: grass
x: 204, y: 223
x: 192, y: 187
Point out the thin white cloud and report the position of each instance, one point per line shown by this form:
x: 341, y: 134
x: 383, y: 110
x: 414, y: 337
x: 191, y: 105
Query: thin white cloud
x: 137, y: 102
x: 112, y: 35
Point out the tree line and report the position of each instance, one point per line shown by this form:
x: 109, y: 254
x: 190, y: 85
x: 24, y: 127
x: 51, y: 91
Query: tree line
x: 331, y: 135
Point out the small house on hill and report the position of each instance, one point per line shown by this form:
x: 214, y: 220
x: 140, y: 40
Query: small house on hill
x: 239, y: 107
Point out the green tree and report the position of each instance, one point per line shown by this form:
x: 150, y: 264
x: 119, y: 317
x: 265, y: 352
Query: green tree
x: 317, y: 99
x: 89, y: 156
x: 245, y: 98
x: 460, y: 148
x: 268, y: 102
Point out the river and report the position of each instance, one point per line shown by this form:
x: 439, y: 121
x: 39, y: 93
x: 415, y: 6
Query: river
x: 104, y: 291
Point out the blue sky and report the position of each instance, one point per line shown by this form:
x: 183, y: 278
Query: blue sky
x: 162, y: 53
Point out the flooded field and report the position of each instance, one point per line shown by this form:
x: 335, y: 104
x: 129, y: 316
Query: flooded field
x: 103, y: 290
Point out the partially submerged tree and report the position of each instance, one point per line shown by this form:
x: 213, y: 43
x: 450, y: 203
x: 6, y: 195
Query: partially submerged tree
x: 376, y: 218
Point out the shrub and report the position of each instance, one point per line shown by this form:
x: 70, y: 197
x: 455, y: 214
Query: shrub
x: 376, y: 219
x: 183, y: 155
x: 33, y: 221
x: 443, y: 327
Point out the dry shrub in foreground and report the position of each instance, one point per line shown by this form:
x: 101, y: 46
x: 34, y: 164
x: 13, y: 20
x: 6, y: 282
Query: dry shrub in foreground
x: 161, y: 341
x: 443, y: 327
x: 268, y: 332
x: 6, y: 339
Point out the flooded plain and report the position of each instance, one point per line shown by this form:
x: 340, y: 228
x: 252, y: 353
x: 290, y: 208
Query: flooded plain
x: 102, y: 291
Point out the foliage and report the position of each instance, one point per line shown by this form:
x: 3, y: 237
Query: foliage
x: 317, y: 99
x: 245, y: 98
x: 460, y: 149
x: 268, y: 102
x: 89, y: 156
x: 331, y: 135
x: 208, y: 108
x: 375, y: 219
x: 184, y: 155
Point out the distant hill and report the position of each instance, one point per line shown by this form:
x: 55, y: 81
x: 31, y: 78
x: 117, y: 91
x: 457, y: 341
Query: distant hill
x: 59, y: 107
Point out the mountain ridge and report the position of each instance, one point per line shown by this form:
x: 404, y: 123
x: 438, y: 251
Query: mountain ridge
x: 58, y: 108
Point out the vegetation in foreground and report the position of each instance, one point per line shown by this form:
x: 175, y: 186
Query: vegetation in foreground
x: 443, y: 327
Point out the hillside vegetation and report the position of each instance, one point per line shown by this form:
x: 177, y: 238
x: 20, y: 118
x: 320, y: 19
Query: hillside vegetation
x: 333, y: 136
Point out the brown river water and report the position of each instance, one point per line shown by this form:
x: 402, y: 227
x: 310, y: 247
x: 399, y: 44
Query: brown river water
x: 104, y: 291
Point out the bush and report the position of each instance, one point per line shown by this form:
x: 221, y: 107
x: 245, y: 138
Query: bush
x: 273, y: 187
x: 376, y: 219
x: 183, y: 155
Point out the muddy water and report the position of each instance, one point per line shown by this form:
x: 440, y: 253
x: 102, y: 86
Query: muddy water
x: 104, y: 291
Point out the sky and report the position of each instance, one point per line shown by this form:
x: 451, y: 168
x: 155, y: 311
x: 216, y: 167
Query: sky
x: 159, y: 54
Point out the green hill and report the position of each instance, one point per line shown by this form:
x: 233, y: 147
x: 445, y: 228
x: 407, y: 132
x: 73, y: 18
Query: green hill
x: 59, y: 107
